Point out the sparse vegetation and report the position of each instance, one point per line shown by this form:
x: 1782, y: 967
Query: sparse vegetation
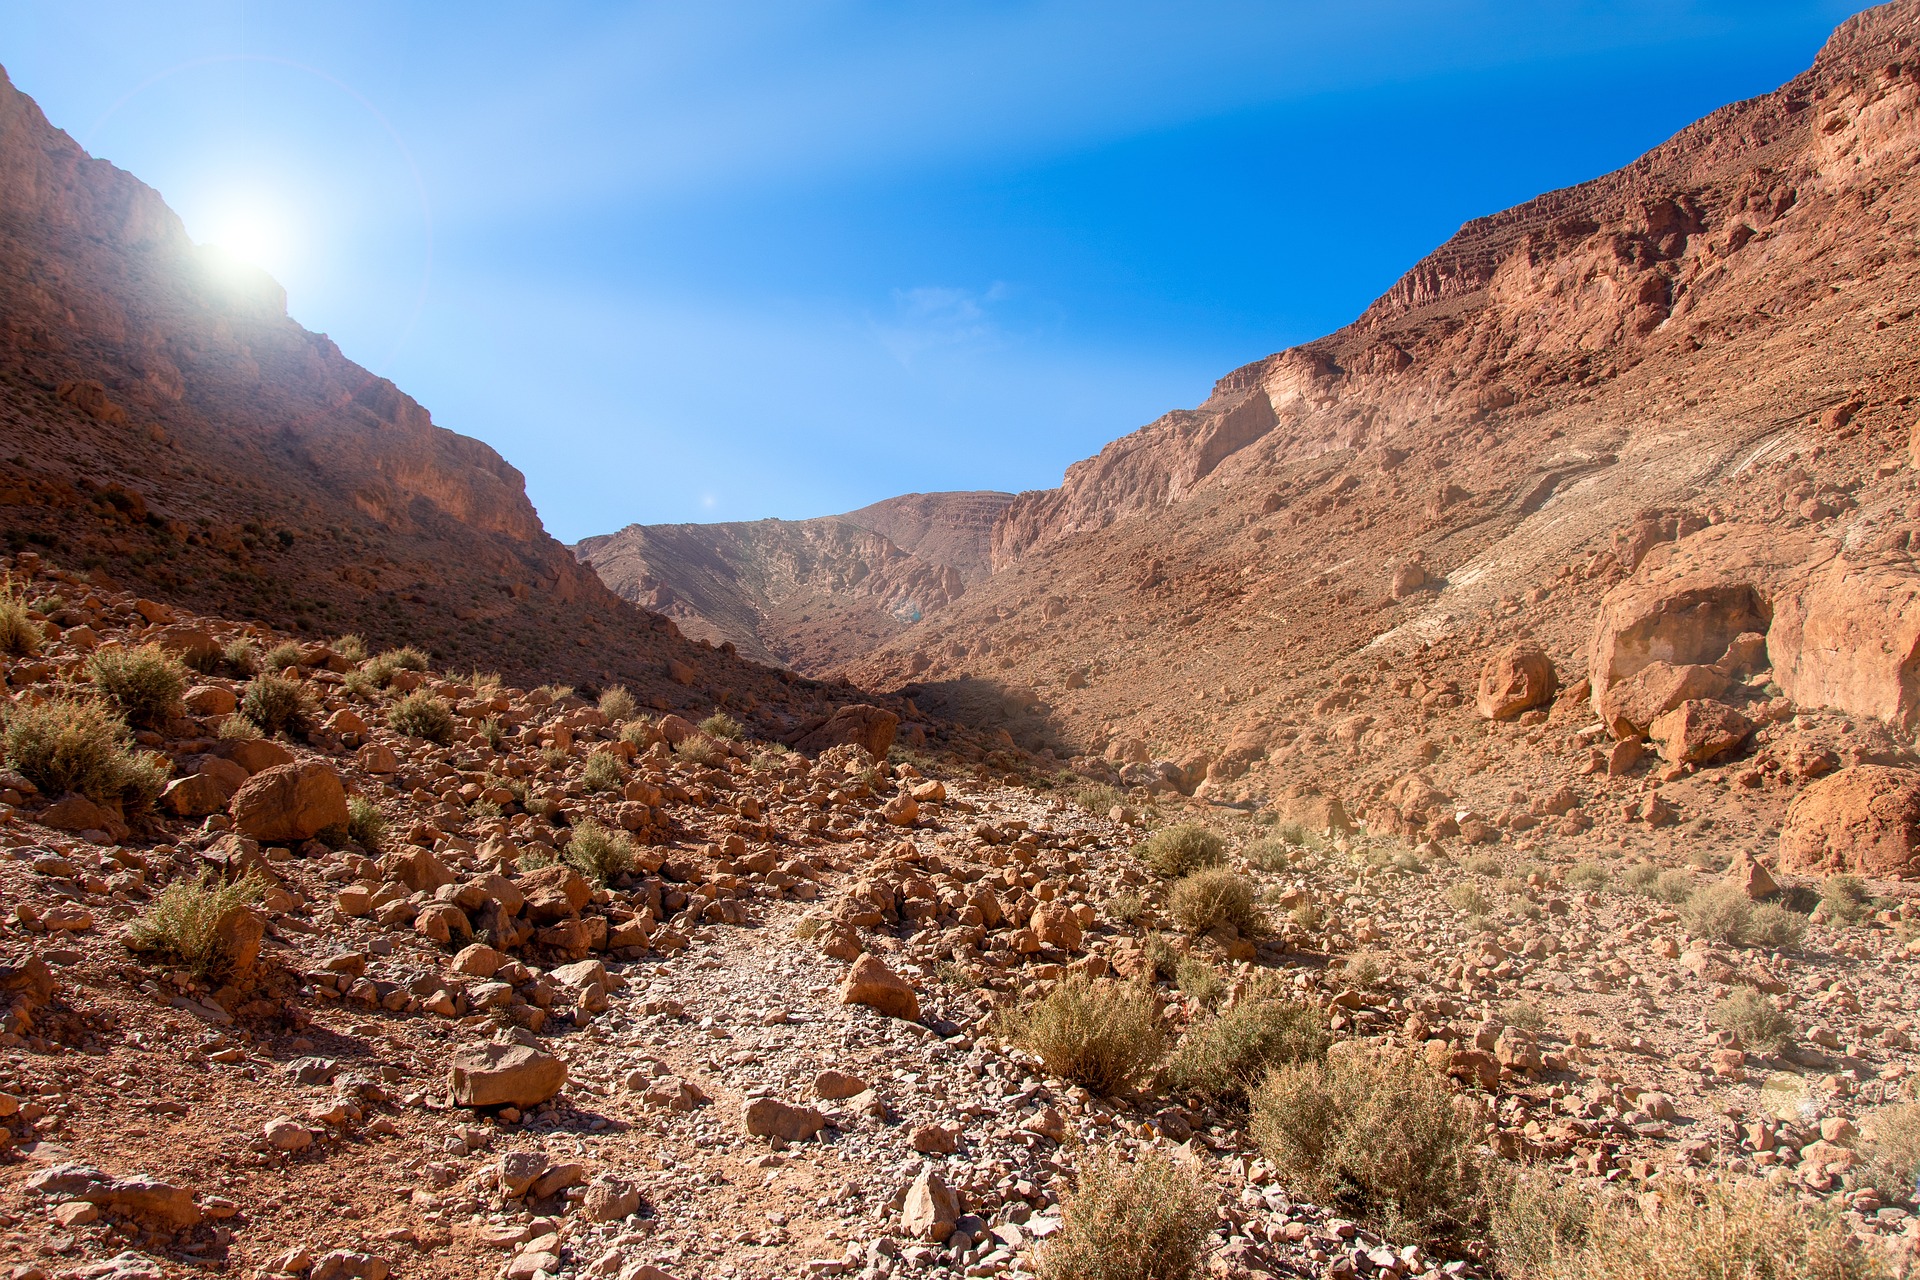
x: 1124, y: 907
x: 1206, y: 900
x: 1587, y: 875
x: 721, y: 725
x: 698, y: 749
x: 77, y: 744
x: 1198, y: 980
x: 1485, y: 865
x: 422, y: 715
x: 1718, y: 912
x: 351, y: 647
x: 1674, y: 886
x: 1271, y: 854
x: 1227, y: 1055
x: 1130, y: 1217
x: 641, y: 731
x: 599, y: 854
x: 1181, y: 850
x: 242, y: 657
x: 1892, y: 1147
x: 144, y: 683
x: 382, y: 667
x: 366, y: 825
x: 602, y: 772
x: 1101, y: 1036
x: 1466, y: 896
x: 280, y: 657
x: 1364, y: 970
x: 494, y: 733
x: 20, y: 635
x: 1534, y: 1222
x: 1639, y: 877
x: 1099, y: 799
x: 619, y: 705
x: 1378, y: 1136
x: 554, y: 692
x: 183, y: 922
x: 1524, y: 1014
x: 237, y: 728
x: 277, y: 704
x: 1773, y: 925
x: 1847, y: 899
x: 1754, y: 1017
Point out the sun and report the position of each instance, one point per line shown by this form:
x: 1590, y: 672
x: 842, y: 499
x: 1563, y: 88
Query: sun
x: 250, y: 231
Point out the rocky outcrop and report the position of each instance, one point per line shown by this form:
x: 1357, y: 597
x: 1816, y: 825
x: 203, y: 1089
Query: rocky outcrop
x: 1863, y: 821
x: 1850, y: 638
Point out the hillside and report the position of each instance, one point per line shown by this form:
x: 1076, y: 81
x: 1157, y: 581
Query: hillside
x: 1297, y: 585
x: 813, y: 595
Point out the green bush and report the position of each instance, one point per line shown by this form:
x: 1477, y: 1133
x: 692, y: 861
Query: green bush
x: 281, y: 656
x: 619, y: 705
x: 145, y: 683
x: 1377, y: 1137
x: 698, y: 749
x: 1466, y: 896
x: 1847, y: 899
x: 1124, y: 907
x: 1198, y: 979
x: 1180, y: 850
x: 1130, y: 1217
x: 1772, y: 925
x: 381, y: 667
x: 422, y: 715
x: 1101, y: 1036
x: 722, y: 725
x: 72, y: 744
x: 1718, y: 912
x: 1206, y: 900
x: 641, y: 732
x: 351, y: 647
x: 1754, y: 1017
x: 183, y: 922
x: 602, y: 772
x: 366, y: 825
x: 242, y: 656
x: 1227, y: 1055
x: 1587, y: 875
x: 597, y: 853
x: 278, y: 705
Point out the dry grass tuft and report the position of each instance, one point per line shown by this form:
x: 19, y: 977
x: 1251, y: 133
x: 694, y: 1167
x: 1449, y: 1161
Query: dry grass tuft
x: 183, y: 923
x: 422, y: 715
x: 77, y: 744
x: 1209, y: 899
x: 1099, y: 1035
x: 597, y: 853
x: 20, y: 635
x: 619, y: 705
x: 1378, y: 1136
x: 722, y: 725
x: 1754, y: 1017
x: 366, y: 825
x: 278, y: 705
x: 602, y: 772
x: 1228, y: 1055
x: 145, y: 683
x: 1180, y: 850
x: 1138, y: 1218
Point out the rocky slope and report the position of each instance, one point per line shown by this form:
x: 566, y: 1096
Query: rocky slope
x: 1621, y: 427
x: 813, y: 595
x: 162, y: 420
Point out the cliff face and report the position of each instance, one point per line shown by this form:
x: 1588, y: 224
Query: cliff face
x: 809, y: 594
x: 164, y: 422
x: 1297, y: 582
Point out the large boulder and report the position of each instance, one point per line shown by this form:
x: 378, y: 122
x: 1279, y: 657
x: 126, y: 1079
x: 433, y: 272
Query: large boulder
x: 499, y: 1075
x: 290, y: 802
x: 772, y: 1118
x: 1689, y: 600
x: 1864, y: 820
x: 1697, y: 731
x: 871, y: 983
x: 1516, y: 680
x: 1850, y: 638
x: 860, y: 725
x: 1631, y: 706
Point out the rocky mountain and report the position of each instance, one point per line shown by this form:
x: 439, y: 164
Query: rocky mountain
x: 813, y: 595
x: 1615, y: 430
x: 165, y: 423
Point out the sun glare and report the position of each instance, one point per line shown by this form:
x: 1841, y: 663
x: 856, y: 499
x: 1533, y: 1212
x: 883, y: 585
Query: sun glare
x: 251, y: 232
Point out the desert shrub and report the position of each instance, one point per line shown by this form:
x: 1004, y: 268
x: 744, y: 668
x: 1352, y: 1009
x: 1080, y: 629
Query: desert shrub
x: 144, y: 684
x: 597, y: 853
x: 1309, y: 916
x: 381, y: 667
x: 1719, y: 912
x: 1130, y: 1217
x: 555, y: 692
x: 422, y: 715
x: 1754, y: 1017
x: 366, y: 825
x: 602, y: 772
x: 1227, y: 1055
x: 1524, y: 1014
x: 1101, y: 1036
x: 1377, y: 1136
x: 1639, y: 877
x: 1163, y: 961
x: 1485, y: 865
x: 182, y: 924
x: 698, y: 749
x: 1892, y: 1146
x: 1846, y: 898
x: 619, y: 705
x: 553, y: 757
x: 1124, y: 907
x: 1098, y: 798
x: 722, y: 725
x: 1587, y: 875
x: 1363, y: 969
x: 242, y: 657
x: 1270, y: 854
x: 237, y: 728
x: 1180, y: 850
x: 358, y: 683
x: 20, y: 635
x: 1198, y: 979
x: 482, y: 681
x: 1206, y: 900
x: 1467, y: 897
x: 493, y: 733
x: 1674, y: 886
x: 1743, y: 1232
x: 641, y: 730
x: 1533, y: 1223
x: 280, y: 657
x: 277, y: 704
x: 1772, y: 925
x: 351, y: 647
x: 74, y: 744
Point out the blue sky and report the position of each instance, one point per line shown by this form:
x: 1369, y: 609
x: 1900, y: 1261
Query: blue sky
x: 712, y: 261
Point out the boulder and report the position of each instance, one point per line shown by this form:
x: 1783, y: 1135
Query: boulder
x: 610, y: 1198
x: 930, y: 1209
x: 1750, y: 877
x: 1697, y: 731
x: 290, y: 802
x: 1850, y: 638
x: 1631, y: 706
x: 194, y: 796
x: 517, y: 1171
x: 497, y: 1075
x: 555, y: 892
x: 869, y: 727
x: 1864, y: 820
x: 75, y: 812
x: 209, y: 700
x: 772, y: 1118
x: 1516, y: 680
x: 254, y: 754
x: 871, y: 983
